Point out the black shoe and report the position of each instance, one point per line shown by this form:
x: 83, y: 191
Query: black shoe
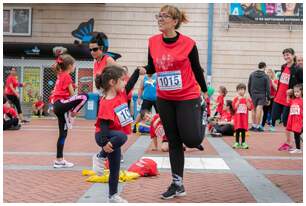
x: 17, y: 127
x: 254, y: 129
x: 25, y: 121
x: 200, y: 147
x: 216, y: 134
x: 134, y: 129
x: 174, y: 191
x: 260, y: 129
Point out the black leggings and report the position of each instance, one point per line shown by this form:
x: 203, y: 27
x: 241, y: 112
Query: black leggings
x: 15, y: 101
x: 117, y: 138
x: 266, y: 110
x: 225, y: 129
x: 147, y: 104
x: 242, y: 132
x: 182, y: 121
x: 60, y: 107
x: 7, y: 124
x: 297, y: 138
x: 277, y: 110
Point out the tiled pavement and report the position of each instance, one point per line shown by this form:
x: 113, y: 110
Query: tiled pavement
x: 29, y: 176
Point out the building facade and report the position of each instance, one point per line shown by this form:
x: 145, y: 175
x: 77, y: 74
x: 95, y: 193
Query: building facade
x: 235, y: 49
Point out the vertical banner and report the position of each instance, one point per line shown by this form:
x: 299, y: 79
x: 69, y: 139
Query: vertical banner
x: 85, y: 80
x: 31, y: 75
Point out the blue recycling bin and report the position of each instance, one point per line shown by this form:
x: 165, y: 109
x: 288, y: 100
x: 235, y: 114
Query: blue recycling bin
x: 91, y: 106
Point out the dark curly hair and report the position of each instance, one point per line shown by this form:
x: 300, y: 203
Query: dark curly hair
x: 109, y: 73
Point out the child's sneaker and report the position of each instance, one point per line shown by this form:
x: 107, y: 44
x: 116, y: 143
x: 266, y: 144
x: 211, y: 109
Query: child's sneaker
x: 295, y: 151
x: 62, y: 164
x: 174, y: 191
x: 244, y: 146
x: 68, y: 120
x: 272, y: 129
x: 260, y: 129
x: 116, y: 199
x: 236, y: 145
x: 98, y: 164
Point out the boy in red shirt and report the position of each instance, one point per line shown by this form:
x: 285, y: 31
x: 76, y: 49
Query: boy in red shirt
x: 38, y: 107
x: 220, y: 100
x: 295, y: 119
x: 241, y: 105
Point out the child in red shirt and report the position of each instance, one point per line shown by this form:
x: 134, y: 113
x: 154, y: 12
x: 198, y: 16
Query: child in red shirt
x: 220, y: 100
x: 65, y: 104
x: 295, y: 119
x: 10, y: 117
x: 113, y: 122
x: 38, y: 107
x: 241, y: 105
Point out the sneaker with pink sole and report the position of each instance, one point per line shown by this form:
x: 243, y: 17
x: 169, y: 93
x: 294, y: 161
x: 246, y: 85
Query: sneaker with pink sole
x: 284, y: 147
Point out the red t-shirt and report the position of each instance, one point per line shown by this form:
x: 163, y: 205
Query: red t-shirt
x: 175, y: 79
x: 157, y: 128
x: 281, y: 95
x: 39, y: 104
x: 11, y: 80
x: 220, y: 102
x: 116, y: 110
x: 10, y: 111
x: 100, y: 65
x: 272, y: 90
x: 295, y: 118
x: 226, y: 116
x: 61, y: 89
x: 241, y: 113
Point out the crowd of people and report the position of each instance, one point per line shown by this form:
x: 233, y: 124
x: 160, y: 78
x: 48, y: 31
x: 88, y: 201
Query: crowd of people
x: 174, y: 84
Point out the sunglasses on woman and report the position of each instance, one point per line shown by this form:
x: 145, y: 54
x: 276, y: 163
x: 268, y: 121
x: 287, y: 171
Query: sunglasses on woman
x: 94, y: 49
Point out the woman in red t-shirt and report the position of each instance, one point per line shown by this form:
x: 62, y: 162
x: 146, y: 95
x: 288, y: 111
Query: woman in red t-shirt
x: 295, y: 119
x: 113, y: 122
x: 273, y: 87
x: 175, y: 60
x: 291, y: 74
x: 241, y: 105
x: 11, y: 93
x: 65, y: 104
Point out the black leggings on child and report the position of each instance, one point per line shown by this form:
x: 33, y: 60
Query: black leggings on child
x: 297, y: 138
x: 242, y: 132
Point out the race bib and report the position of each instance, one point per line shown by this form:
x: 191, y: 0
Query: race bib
x: 285, y: 78
x: 168, y: 81
x: 123, y: 114
x: 242, y: 109
x: 159, y: 131
x: 295, y: 110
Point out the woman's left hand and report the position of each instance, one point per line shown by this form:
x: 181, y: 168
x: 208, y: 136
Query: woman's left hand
x: 142, y: 70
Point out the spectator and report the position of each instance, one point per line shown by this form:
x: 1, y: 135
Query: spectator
x: 10, y: 117
x: 220, y: 100
x: 38, y: 107
x: 267, y: 109
x: 291, y: 75
x: 225, y: 124
x: 299, y: 61
x: 259, y: 90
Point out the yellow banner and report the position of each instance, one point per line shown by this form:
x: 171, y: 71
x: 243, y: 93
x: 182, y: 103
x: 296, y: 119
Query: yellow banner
x: 31, y: 75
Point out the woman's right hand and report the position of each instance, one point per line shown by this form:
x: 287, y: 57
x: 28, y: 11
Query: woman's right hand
x: 108, y: 147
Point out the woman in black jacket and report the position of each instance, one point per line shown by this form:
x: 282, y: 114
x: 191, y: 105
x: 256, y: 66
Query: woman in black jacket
x: 291, y: 74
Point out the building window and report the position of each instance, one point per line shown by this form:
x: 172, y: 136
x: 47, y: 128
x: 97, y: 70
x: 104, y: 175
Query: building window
x: 17, y: 21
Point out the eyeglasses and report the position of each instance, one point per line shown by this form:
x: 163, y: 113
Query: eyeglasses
x: 162, y: 16
x: 94, y: 49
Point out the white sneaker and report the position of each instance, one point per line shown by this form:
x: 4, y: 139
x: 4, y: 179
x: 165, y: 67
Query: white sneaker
x: 62, y: 164
x: 68, y: 120
x: 98, y: 165
x: 295, y: 151
x: 116, y: 199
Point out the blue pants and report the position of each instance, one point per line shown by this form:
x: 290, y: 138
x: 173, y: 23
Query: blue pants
x: 117, y: 138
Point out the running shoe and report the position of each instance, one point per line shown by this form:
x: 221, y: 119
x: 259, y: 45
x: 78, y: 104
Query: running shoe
x: 295, y: 151
x: 244, y: 146
x: 62, y: 164
x: 260, y: 129
x: 98, y: 164
x: 254, y: 129
x: 272, y: 129
x: 116, y: 199
x: 236, y: 145
x: 174, y: 191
